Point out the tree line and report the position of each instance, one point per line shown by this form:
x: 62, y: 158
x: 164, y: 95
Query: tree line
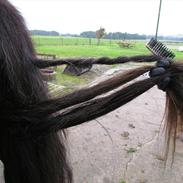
x: 44, y: 33
x: 128, y: 36
x: 110, y: 35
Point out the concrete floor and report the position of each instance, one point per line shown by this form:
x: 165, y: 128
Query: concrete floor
x: 125, y: 146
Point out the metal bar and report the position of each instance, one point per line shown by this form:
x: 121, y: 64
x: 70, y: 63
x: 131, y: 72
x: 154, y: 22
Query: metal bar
x: 158, y: 20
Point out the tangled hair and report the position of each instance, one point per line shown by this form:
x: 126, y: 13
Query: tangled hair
x: 30, y: 147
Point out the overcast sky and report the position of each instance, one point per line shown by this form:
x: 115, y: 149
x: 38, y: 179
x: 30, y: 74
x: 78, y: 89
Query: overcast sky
x: 75, y: 16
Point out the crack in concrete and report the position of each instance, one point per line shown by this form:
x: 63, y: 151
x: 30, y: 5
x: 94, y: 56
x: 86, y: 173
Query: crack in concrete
x: 149, y: 141
x: 133, y: 155
x: 126, y: 166
x: 112, y: 142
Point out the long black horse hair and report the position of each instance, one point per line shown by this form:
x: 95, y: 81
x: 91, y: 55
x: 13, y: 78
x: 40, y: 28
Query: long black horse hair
x: 32, y: 124
x: 35, y: 160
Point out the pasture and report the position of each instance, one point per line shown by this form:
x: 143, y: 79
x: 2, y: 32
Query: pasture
x: 87, y: 47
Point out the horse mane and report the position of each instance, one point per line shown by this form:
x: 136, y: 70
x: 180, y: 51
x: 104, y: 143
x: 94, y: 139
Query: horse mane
x: 35, y: 160
x: 31, y: 148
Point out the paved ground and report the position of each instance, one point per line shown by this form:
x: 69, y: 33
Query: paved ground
x: 125, y: 145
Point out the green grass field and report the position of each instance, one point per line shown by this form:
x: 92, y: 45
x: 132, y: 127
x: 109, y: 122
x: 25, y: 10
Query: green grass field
x: 85, y: 47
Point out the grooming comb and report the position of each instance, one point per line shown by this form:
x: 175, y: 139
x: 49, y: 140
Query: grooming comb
x: 159, y: 49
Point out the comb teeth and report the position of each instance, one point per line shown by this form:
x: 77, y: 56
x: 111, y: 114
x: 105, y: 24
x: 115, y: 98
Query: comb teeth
x: 159, y: 49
